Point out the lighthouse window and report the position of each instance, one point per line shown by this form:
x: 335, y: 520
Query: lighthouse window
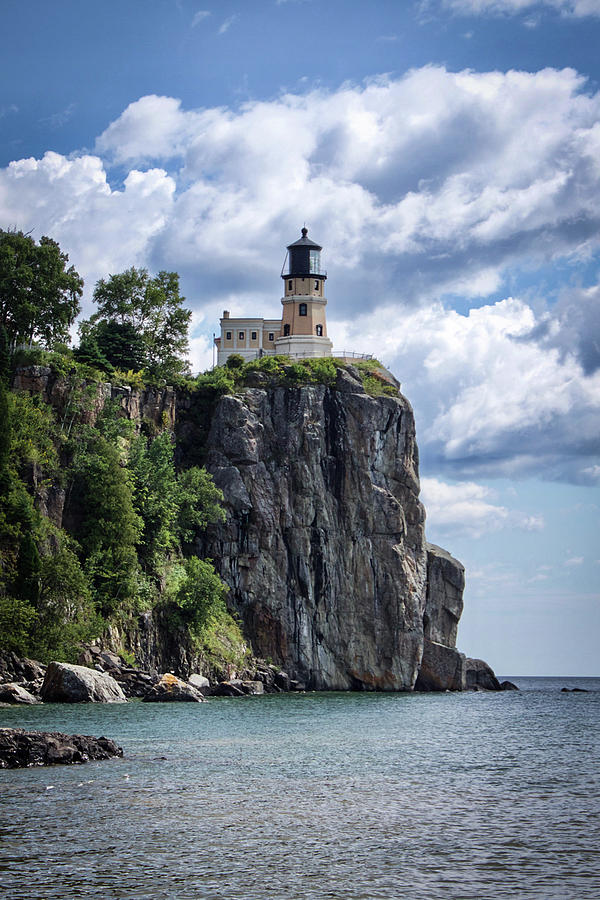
x: 286, y: 330
x: 315, y: 262
x: 316, y: 285
x: 290, y: 285
x: 241, y: 335
x: 319, y: 331
x: 302, y: 309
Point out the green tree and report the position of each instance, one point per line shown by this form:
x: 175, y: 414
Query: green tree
x: 90, y: 354
x: 153, y: 308
x: 200, y: 598
x: 199, y: 503
x: 155, y: 496
x: 109, y: 529
x: 121, y: 345
x: 39, y: 295
x: 4, y: 357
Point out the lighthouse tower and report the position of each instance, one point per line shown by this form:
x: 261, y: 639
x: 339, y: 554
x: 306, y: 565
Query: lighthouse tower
x: 303, y: 325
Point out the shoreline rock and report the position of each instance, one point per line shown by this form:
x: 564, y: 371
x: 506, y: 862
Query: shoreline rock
x: 66, y: 683
x: 172, y: 689
x: 25, y: 749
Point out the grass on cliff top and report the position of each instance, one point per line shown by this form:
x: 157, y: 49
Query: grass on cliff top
x: 281, y: 370
x: 233, y: 376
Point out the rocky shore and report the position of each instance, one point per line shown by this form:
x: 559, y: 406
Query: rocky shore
x: 25, y: 749
x: 107, y: 678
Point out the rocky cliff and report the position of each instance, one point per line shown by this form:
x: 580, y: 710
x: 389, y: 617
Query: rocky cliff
x: 324, y: 545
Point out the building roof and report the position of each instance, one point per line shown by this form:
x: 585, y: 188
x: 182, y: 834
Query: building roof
x: 304, y: 241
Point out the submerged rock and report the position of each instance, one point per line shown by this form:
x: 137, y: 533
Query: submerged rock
x: 66, y: 683
x: 22, y: 749
x: 170, y: 688
x: 16, y: 693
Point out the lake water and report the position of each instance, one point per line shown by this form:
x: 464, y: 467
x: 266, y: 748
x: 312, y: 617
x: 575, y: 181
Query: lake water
x: 290, y: 797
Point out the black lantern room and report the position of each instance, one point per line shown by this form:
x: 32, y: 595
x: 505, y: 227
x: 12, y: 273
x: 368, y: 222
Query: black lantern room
x: 305, y: 259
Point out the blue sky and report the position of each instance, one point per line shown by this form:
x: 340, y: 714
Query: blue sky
x: 446, y: 153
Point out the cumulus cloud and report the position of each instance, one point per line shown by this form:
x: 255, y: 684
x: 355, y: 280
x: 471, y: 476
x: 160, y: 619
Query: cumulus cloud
x: 437, y: 181
x: 467, y: 507
x: 575, y: 8
x: 103, y: 230
x: 487, y: 401
x: 425, y: 188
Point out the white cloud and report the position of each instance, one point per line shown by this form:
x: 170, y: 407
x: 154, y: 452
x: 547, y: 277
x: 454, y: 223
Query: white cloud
x: 200, y: 16
x: 446, y: 179
x: 576, y: 8
x: 574, y: 561
x: 102, y: 229
x: 432, y: 184
x: 467, y: 507
x: 487, y: 399
x: 228, y: 22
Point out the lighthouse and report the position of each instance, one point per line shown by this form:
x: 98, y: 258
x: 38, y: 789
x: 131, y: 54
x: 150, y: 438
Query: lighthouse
x: 302, y: 330
x: 303, y: 323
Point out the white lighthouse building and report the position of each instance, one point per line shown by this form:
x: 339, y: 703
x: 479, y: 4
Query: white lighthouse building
x: 302, y: 330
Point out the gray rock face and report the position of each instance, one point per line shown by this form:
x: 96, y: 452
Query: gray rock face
x: 16, y: 693
x: 65, y: 683
x: 480, y: 676
x: 444, y: 601
x: 442, y: 669
x: 323, y: 547
x: 22, y: 749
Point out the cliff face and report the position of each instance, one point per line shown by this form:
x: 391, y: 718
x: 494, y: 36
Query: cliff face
x: 323, y: 547
x: 324, y: 544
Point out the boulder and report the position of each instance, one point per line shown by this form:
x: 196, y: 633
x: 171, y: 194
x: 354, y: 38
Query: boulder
x: 228, y: 689
x: 66, y: 683
x: 442, y: 669
x: 19, y: 748
x: 170, y: 688
x: 282, y: 681
x: 15, y: 693
x: 201, y: 683
x: 508, y: 686
x: 480, y: 676
x: 18, y: 669
x: 134, y: 682
x: 253, y: 687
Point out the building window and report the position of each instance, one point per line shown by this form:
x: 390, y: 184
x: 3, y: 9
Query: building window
x: 253, y: 335
x: 286, y: 330
x: 290, y: 285
x: 241, y: 335
x: 319, y: 331
x: 316, y: 285
x: 271, y: 335
x: 302, y: 309
x: 227, y: 335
